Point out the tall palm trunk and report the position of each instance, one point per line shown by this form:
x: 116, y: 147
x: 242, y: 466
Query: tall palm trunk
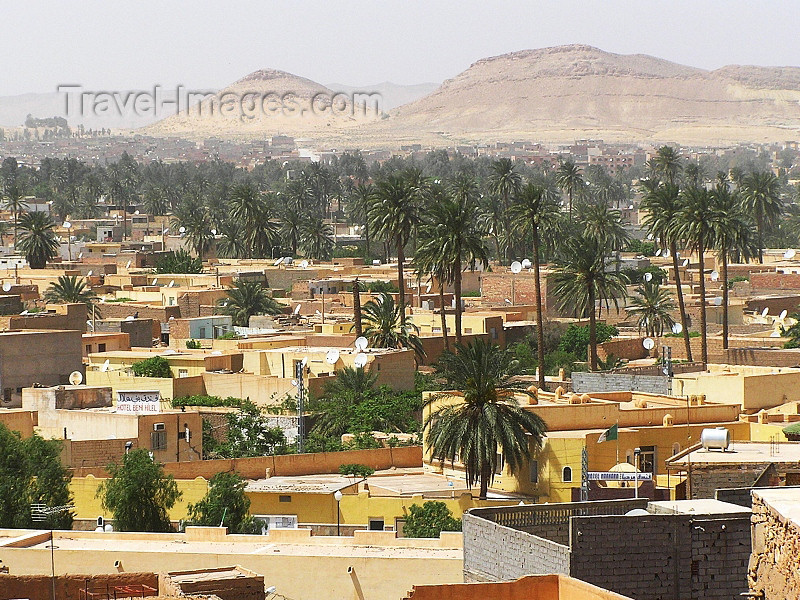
x: 366, y: 239
x: 400, y: 280
x: 703, y: 337
x: 457, y: 294
x: 682, y: 306
x: 569, y: 194
x: 507, y: 227
x: 724, y: 299
x: 497, y: 248
x: 760, y: 227
x: 357, y: 308
x: 592, y: 330
x: 486, y: 474
x: 537, y: 283
x: 444, y: 315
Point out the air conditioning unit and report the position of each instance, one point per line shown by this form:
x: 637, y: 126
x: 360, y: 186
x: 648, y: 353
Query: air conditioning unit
x: 158, y: 427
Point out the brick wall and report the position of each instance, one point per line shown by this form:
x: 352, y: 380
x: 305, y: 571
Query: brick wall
x: 661, y: 556
x: 38, y: 587
x: 629, y: 348
x: 94, y: 453
x: 763, y: 357
x: 776, y: 547
x: 706, y: 480
x: 613, y: 382
x: 775, y: 281
x: 120, y: 310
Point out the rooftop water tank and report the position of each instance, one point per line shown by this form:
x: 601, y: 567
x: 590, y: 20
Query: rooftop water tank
x: 718, y: 439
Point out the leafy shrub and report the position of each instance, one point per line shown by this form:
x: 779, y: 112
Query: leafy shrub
x: 641, y: 247
x: 193, y: 344
x: 202, y: 400
x: 575, y: 339
x: 157, y: 366
x: 429, y: 520
x: 179, y: 261
x: 356, y: 470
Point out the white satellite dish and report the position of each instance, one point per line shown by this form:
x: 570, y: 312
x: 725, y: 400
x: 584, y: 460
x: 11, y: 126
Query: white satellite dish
x: 428, y: 289
x: 67, y: 224
x: 685, y: 262
x: 89, y: 324
x: 128, y: 266
x: 360, y: 360
x: 304, y: 362
x: 80, y: 255
x: 516, y: 267
x: 526, y: 264
x: 277, y: 262
x: 714, y: 276
x: 216, y: 353
x: 155, y: 281
x: 665, y: 254
x: 376, y: 262
x: 648, y: 343
x: 648, y: 277
x: 169, y: 352
x: 296, y: 310
x: 789, y: 254
x: 765, y: 312
x: 316, y: 312
x: 165, y: 230
x: 24, y: 312
x: 294, y: 382
x: 75, y: 378
x: 105, y: 366
x: 182, y: 229
x: 332, y: 356
x: 287, y: 260
x: 677, y: 328
x: 90, y: 273
x: 130, y: 318
x: 718, y: 301
x: 6, y: 287
x: 136, y: 212
x: 658, y: 252
x: 361, y: 343
x: 304, y: 264
x: 171, y: 283
x: 783, y: 314
x: 213, y: 232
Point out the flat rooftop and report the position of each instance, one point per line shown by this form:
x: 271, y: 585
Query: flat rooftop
x: 783, y: 500
x: 706, y: 506
x: 303, y: 484
x: 742, y: 452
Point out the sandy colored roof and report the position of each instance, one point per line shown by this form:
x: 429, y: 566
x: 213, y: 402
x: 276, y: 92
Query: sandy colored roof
x: 744, y: 452
x: 706, y: 506
x: 306, y: 484
x: 785, y: 501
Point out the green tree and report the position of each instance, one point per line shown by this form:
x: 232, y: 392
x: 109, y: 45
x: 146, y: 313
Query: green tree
x: 249, y: 433
x: 156, y: 366
x: 488, y: 420
x: 667, y: 164
x: 316, y: 238
x: 38, y: 240
x: 581, y: 279
x: 14, y: 200
x: 535, y: 214
x: 570, y: 180
x: 225, y: 504
x: 387, y: 327
x: 761, y: 198
x: 652, y: 305
x: 179, y: 261
x: 429, y: 520
x: 576, y: 339
x: 349, y: 388
x: 69, y: 289
x: 139, y: 494
x: 504, y: 182
x: 362, y: 196
x: 248, y: 298
x: 251, y: 209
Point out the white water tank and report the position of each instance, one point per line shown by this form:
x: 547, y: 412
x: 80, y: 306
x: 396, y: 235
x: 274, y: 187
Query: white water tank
x: 718, y: 439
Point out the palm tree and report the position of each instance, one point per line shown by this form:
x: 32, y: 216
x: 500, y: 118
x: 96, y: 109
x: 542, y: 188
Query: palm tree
x: 488, y: 420
x: 581, y: 279
x: 251, y: 210
x: 733, y: 236
x: 427, y: 261
x: 694, y: 222
x: 361, y: 197
x: 761, y: 197
x: 453, y: 238
x: 70, y: 290
x: 662, y: 203
x: 569, y: 179
x: 387, y: 326
x: 248, y: 298
x: 350, y: 387
x: 536, y: 213
x: 652, y: 306
x: 393, y: 214
x: 504, y: 183
x: 316, y: 238
x: 38, y: 240
x: 667, y: 164
x: 14, y: 201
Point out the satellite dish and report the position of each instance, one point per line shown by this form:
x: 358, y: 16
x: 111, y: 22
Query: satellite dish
x: 165, y: 230
x: 648, y: 277
x: 90, y: 273
x: 765, y: 312
x: 789, y: 254
x: 130, y: 318
x: 428, y: 289
x: 296, y: 310
x: 516, y: 267
x: 783, y: 314
x: 526, y: 264
x: 294, y: 382
x: 332, y: 357
x: 171, y: 283
x: 6, y: 287
x: 658, y: 252
x: 80, y: 255
x: 169, y: 352
x: 105, y: 366
x: 287, y: 260
x: 75, y: 378
x: 648, y: 343
x: 24, y: 312
x: 376, y: 262
x: 718, y: 301
x: 277, y: 262
x: 316, y: 312
x: 304, y: 362
x: 216, y: 353
x: 136, y: 212
x: 677, y: 328
x: 361, y: 343
x: 507, y: 301
x: 155, y: 281
x: 182, y: 229
x: 714, y: 276
x: 128, y: 266
x: 360, y: 360
x: 665, y: 254
x: 89, y: 324
x: 304, y: 264
x: 213, y: 232
x: 685, y: 262
x: 67, y: 224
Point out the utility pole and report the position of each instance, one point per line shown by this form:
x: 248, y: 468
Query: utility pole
x: 584, y: 475
x: 301, y: 396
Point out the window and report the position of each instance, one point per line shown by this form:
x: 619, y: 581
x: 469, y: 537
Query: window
x: 158, y: 440
x: 202, y: 332
x: 493, y: 331
x: 647, y: 459
x: 284, y: 498
x: 88, y: 348
x: 375, y: 524
x: 566, y: 474
x: 499, y: 464
x: 676, y: 447
x: 534, y: 471
x: 183, y: 372
x: 101, y: 347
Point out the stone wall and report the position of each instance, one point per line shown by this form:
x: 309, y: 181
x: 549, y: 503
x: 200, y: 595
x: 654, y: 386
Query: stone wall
x: 94, y: 453
x: 706, y: 480
x: 628, y: 348
x: 763, y: 357
x: 773, y: 567
x: 38, y: 587
x: 614, y: 382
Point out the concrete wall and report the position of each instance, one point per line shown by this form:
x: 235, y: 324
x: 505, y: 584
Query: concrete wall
x: 776, y: 547
x: 610, y: 382
x: 68, y: 587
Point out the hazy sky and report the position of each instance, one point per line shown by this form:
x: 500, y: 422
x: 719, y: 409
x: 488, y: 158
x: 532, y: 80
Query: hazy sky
x: 108, y: 45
